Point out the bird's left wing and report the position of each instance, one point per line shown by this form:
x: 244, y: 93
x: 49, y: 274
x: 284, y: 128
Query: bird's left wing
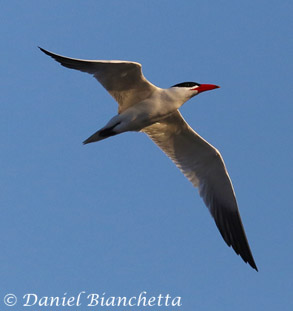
x: 124, y: 80
x: 203, y: 165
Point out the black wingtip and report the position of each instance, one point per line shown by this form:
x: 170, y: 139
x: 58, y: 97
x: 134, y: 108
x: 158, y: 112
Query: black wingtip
x: 232, y: 231
x: 253, y: 265
x: 249, y: 260
x: 44, y: 51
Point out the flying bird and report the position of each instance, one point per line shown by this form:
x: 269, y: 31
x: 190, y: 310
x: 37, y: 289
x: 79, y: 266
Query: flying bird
x: 144, y: 107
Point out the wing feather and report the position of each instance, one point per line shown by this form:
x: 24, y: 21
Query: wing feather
x: 124, y: 80
x: 203, y: 165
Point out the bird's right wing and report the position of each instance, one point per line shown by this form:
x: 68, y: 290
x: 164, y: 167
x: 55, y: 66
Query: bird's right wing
x: 124, y: 80
x: 203, y: 165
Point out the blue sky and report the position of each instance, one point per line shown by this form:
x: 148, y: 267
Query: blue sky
x: 118, y: 216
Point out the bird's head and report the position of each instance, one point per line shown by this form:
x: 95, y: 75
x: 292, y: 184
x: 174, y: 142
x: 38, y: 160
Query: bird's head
x: 192, y: 88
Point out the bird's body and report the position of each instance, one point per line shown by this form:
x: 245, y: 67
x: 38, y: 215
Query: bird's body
x: 154, y: 111
x: 160, y: 104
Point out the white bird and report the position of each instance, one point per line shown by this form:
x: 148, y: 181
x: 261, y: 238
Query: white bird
x: 154, y: 111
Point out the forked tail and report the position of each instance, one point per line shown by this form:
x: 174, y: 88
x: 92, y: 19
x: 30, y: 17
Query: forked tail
x: 101, y: 134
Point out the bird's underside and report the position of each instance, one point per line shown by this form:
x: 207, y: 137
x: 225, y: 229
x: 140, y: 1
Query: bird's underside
x: 199, y: 161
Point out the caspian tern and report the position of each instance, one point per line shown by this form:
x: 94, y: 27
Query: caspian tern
x: 154, y: 111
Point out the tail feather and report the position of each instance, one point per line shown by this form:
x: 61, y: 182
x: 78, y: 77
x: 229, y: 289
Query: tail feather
x: 101, y: 134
